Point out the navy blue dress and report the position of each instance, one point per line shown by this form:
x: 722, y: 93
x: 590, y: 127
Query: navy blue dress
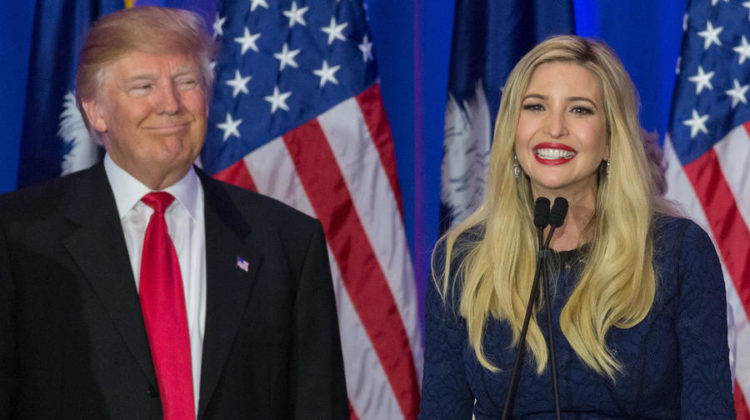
x: 675, y: 360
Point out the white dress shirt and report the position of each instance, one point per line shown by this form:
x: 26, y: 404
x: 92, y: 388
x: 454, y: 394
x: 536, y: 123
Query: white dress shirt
x: 185, y: 222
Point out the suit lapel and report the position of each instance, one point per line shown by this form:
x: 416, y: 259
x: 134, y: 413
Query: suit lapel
x: 98, y: 247
x: 229, y: 281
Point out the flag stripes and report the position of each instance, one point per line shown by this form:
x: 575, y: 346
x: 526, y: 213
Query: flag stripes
x: 740, y: 405
x: 276, y: 176
x: 327, y: 191
x: 730, y: 232
x: 734, y: 158
x: 371, y: 104
x: 704, y: 194
x: 315, y: 168
x: 238, y: 175
x: 355, y: 154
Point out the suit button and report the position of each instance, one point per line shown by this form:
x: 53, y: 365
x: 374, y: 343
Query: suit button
x: 153, y: 392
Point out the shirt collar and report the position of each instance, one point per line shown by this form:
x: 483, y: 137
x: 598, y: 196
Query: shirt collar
x: 128, y: 190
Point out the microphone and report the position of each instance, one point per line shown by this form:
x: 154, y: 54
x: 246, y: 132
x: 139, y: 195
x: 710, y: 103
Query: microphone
x: 558, y: 212
x: 543, y: 216
x: 541, y: 212
x: 556, y: 219
x: 541, y: 220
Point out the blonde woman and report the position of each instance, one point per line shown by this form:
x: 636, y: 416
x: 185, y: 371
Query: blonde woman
x: 638, y: 300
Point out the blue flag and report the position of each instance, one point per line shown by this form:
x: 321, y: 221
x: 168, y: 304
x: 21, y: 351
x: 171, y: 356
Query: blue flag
x: 489, y: 37
x: 54, y: 141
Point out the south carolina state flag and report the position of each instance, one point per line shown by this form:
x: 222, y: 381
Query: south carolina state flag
x: 54, y: 140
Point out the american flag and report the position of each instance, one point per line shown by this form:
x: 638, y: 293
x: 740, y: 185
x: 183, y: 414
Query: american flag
x: 297, y: 115
x: 708, y: 154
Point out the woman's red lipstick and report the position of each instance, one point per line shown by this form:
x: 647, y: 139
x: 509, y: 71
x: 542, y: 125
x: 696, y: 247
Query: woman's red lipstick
x: 553, y: 153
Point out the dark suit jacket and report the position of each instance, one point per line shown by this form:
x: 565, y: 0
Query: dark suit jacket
x: 72, y: 339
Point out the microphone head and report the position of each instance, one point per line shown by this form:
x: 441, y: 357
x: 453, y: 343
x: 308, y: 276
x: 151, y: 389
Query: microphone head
x: 541, y: 212
x: 558, y: 212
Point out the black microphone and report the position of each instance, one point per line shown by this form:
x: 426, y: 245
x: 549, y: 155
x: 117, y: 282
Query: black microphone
x: 558, y: 212
x: 541, y: 220
x: 556, y: 219
x: 543, y: 216
x: 541, y: 212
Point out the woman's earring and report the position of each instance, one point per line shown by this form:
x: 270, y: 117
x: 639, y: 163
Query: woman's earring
x: 516, y: 166
x: 606, y: 164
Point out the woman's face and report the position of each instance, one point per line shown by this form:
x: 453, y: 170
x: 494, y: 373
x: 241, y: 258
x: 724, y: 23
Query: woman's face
x: 561, y: 136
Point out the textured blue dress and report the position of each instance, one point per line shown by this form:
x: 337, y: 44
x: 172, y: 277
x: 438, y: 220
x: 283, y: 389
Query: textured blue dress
x: 675, y: 360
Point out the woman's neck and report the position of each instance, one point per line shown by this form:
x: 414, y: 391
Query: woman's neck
x: 573, y: 230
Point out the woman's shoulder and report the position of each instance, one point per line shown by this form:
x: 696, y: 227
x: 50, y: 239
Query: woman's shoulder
x: 670, y: 229
x: 465, y: 240
x: 681, y: 245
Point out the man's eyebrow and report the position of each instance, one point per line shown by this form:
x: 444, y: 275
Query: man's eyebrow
x: 140, y: 77
x: 183, y: 70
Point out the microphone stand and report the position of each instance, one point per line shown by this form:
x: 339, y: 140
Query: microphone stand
x: 550, y: 330
x: 541, y: 220
x: 556, y: 218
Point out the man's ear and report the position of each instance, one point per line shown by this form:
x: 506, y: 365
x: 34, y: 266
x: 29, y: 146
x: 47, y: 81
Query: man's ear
x: 94, y: 114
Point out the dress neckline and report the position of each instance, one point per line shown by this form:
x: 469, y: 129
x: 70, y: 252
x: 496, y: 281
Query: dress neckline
x: 570, y: 258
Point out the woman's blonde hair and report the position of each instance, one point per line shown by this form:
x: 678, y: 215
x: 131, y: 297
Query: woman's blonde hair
x: 618, y: 284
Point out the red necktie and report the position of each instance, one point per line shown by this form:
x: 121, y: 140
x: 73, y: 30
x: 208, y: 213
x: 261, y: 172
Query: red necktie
x: 163, y: 305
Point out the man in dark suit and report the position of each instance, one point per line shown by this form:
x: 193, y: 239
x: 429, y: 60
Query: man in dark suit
x: 141, y: 288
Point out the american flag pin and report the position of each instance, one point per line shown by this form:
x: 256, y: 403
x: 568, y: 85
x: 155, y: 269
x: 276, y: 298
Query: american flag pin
x: 242, y: 264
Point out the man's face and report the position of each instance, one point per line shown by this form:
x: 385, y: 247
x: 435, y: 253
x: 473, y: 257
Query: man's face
x: 151, y: 112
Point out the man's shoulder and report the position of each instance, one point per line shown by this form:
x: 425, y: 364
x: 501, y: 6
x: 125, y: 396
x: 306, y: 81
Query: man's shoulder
x: 44, y: 197
x: 256, y: 206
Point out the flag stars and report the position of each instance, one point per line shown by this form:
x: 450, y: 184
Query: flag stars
x: 697, y: 124
x: 248, y: 41
x: 366, y: 48
x: 219, y: 25
x: 278, y: 100
x: 702, y: 80
x: 287, y: 57
x: 327, y: 74
x: 747, y: 5
x: 334, y: 31
x: 239, y: 84
x: 296, y: 15
x: 710, y: 35
x: 230, y: 127
x: 738, y: 93
x: 255, y: 3
x: 743, y: 49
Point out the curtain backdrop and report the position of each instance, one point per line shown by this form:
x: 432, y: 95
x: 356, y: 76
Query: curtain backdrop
x: 412, y: 43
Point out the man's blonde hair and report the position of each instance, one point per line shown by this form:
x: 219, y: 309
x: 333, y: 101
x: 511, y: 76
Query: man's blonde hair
x: 148, y: 30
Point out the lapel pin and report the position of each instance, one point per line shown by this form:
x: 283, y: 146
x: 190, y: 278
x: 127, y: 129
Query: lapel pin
x: 242, y: 264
